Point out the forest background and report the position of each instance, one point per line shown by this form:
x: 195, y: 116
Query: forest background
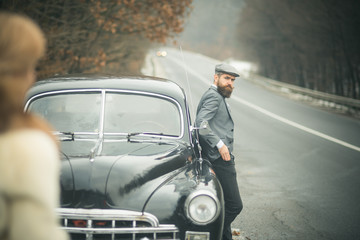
x: 310, y: 43
x: 110, y: 36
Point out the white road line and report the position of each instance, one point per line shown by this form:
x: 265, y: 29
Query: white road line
x: 296, y: 125
x: 272, y: 115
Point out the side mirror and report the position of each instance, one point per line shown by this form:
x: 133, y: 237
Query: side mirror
x: 203, y: 129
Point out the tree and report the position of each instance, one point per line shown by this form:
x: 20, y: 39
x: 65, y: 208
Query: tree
x: 101, y: 35
x: 311, y: 43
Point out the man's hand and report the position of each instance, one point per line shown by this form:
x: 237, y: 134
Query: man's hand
x: 224, y: 152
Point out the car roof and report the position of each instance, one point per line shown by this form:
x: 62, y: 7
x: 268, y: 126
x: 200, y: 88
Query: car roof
x: 105, y: 81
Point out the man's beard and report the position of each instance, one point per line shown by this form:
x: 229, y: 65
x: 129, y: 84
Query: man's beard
x: 225, y: 91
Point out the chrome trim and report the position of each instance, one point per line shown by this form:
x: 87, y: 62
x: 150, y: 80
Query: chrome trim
x: 95, y: 150
x: 102, y: 114
x: 103, y: 92
x: 189, y: 234
x: 103, y: 214
x: 188, y: 116
x: 58, y: 92
x: 114, y: 215
x: 197, y: 193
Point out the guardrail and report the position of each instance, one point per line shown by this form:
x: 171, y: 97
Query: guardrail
x: 353, y: 105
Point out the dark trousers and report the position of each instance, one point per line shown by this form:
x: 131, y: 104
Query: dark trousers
x: 226, y: 173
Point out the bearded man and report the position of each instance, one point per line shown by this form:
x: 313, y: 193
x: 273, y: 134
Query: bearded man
x: 217, y: 141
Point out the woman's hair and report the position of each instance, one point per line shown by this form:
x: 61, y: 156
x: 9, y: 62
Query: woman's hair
x: 22, y: 44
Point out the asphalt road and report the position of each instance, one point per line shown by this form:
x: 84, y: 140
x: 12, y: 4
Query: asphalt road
x: 298, y: 166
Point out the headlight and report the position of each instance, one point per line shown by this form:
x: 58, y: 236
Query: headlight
x: 202, y: 207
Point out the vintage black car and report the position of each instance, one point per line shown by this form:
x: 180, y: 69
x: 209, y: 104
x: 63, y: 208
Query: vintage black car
x: 130, y: 168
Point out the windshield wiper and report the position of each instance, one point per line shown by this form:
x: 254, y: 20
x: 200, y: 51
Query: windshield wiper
x: 65, y: 136
x: 129, y: 135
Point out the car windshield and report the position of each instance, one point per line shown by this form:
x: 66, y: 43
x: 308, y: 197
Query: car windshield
x: 71, y: 112
x: 123, y: 113
x: 132, y: 113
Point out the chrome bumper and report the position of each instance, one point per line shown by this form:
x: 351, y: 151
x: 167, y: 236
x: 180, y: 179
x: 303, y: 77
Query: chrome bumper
x: 109, y: 224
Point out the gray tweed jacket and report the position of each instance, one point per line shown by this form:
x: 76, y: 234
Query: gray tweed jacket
x: 214, y: 109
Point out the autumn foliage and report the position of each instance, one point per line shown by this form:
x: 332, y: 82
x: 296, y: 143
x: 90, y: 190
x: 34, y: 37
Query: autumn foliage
x: 101, y: 35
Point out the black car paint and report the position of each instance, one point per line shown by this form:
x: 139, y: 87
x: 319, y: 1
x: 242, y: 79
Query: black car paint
x: 153, y: 176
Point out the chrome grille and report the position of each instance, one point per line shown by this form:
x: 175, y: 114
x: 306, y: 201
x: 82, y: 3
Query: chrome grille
x: 108, y: 224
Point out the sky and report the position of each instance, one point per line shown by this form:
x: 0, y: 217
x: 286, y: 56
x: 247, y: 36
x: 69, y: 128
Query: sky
x: 212, y: 27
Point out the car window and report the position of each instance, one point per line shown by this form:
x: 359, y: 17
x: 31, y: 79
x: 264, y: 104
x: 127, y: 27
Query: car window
x: 73, y: 112
x: 129, y: 113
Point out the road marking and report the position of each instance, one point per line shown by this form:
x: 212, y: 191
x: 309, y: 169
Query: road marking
x: 272, y: 115
x: 296, y: 125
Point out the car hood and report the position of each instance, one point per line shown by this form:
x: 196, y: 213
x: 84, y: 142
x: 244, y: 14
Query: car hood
x: 123, y: 176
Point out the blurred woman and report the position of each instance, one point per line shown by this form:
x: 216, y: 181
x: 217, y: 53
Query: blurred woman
x: 29, y: 158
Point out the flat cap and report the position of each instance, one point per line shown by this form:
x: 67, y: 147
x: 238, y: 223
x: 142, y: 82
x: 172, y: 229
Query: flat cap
x: 226, y: 68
